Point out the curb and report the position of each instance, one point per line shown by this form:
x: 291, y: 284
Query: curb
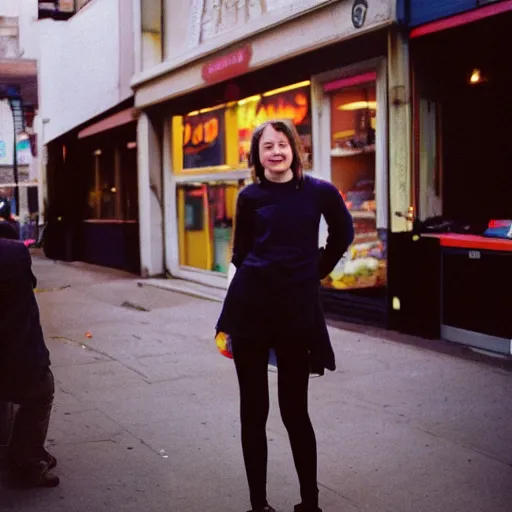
x: 182, y: 290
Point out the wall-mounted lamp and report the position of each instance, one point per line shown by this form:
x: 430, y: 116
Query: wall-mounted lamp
x: 476, y: 77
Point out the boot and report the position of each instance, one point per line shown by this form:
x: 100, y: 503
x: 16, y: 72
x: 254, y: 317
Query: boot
x: 36, y: 474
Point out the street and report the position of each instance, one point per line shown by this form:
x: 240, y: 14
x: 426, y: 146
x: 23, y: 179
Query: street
x: 146, y: 413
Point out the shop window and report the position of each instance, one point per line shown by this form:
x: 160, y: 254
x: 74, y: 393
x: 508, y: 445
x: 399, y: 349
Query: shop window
x: 204, y: 139
x: 353, y: 132
x: 112, y: 185
x: 205, y: 224
x: 218, y: 139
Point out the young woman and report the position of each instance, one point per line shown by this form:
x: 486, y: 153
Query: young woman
x: 273, y: 301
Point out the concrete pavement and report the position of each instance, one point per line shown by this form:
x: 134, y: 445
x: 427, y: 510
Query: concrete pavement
x: 146, y: 414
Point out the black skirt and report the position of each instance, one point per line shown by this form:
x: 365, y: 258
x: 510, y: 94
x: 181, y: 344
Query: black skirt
x: 270, y: 308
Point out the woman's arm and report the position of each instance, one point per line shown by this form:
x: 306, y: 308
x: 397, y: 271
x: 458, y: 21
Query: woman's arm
x: 244, y: 231
x: 340, y: 229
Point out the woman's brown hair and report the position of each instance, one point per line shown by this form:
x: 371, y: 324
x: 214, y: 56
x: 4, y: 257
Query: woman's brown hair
x: 289, y: 130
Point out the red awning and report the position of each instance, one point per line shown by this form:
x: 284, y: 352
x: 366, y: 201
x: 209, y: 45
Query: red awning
x: 121, y: 118
x: 351, y: 81
x: 462, y: 19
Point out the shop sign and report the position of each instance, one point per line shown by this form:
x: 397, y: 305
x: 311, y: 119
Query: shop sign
x: 204, y: 140
x: 227, y: 66
x: 23, y: 151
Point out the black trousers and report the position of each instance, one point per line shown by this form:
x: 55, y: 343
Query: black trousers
x: 30, y: 428
x: 251, y: 361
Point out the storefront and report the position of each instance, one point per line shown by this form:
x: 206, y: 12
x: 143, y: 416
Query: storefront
x: 458, y: 262
x: 92, y: 208
x: 331, y: 80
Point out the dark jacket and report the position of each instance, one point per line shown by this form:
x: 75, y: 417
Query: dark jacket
x: 23, y: 353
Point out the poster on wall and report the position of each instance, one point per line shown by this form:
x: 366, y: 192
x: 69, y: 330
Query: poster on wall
x: 24, y: 152
x: 293, y: 105
x: 204, y: 140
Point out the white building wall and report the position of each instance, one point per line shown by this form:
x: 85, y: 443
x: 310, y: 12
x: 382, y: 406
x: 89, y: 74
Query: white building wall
x: 26, y: 12
x: 27, y: 48
x: 79, y: 75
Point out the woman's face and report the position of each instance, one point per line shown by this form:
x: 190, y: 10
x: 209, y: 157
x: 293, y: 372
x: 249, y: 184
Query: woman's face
x: 276, y: 154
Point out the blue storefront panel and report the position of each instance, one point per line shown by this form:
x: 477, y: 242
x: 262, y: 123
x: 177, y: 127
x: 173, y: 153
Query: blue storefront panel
x: 419, y: 12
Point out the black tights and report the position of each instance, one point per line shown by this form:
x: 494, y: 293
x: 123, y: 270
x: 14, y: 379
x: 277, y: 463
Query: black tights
x: 251, y: 361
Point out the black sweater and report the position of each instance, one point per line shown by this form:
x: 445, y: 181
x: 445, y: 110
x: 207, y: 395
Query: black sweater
x: 277, y: 228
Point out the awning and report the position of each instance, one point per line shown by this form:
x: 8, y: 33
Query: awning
x: 462, y: 19
x: 119, y: 119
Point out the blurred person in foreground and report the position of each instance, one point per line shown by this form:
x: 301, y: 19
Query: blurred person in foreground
x: 273, y: 301
x: 25, y: 375
x: 6, y: 218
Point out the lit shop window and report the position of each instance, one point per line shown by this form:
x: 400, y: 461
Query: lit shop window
x: 204, y: 139
x: 205, y: 224
x: 111, y: 183
x: 218, y: 139
x: 353, y: 134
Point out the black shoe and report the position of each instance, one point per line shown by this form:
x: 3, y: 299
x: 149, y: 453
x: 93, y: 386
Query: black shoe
x: 33, y: 475
x: 266, y: 508
x: 301, y: 507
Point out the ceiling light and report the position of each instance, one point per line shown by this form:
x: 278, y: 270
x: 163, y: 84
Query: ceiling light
x: 287, y: 88
x: 250, y: 99
x: 359, y: 105
x: 476, y: 77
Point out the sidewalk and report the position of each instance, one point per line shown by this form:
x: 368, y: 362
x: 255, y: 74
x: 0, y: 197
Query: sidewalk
x: 146, y: 415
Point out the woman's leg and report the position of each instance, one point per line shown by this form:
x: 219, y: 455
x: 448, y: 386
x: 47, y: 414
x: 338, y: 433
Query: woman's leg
x: 251, y: 361
x: 293, y: 381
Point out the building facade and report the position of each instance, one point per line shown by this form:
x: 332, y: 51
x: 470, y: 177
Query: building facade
x: 447, y: 276
x: 19, y: 53
x: 89, y: 134
x: 208, y: 72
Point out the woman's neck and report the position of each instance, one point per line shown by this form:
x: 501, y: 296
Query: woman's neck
x: 279, y: 177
